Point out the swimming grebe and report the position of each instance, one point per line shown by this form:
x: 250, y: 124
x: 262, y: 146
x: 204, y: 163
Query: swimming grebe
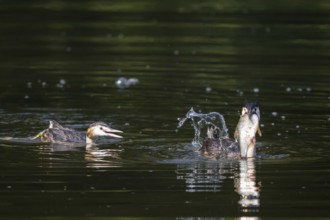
x: 56, y: 133
x: 244, y: 144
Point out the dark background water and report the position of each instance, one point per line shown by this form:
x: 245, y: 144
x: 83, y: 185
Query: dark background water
x: 60, y: 60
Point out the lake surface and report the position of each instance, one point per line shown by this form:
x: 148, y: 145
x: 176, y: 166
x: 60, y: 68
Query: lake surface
x: 60, y: 61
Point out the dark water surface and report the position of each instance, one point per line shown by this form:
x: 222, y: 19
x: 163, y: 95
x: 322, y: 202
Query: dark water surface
x: 60, y: 60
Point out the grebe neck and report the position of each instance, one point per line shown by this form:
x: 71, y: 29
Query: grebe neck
x: 89, y: 140
x: 89, y: 136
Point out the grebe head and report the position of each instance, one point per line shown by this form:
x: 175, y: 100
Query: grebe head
x: 252, y: 109
x: 101, y: 129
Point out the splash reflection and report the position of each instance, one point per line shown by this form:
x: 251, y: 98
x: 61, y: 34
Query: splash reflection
x: 247, y: 187
x: 202, y: 177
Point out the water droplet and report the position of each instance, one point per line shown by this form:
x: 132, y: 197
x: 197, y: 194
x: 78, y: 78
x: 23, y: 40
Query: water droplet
x: 288, y: 89
x: 62, y: 81
x: 274, y: 114
x: 121, y: 36
x: 133, y: 81
x: 26, y: 97
x: 29, y: 85
x: 297, y: 126
x: 121, y: 83
x: 208, y: 89
x: 240, y: 93
x: 176, y: 52
x: 308, y: 89
x: 268, y: 29
x: 283, y: 117
x: 256, y: 90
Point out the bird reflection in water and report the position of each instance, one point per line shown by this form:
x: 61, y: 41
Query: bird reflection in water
x: 210, y: 177
x: 103, y: 158
x: 95, y: 157
x: 247, y: 187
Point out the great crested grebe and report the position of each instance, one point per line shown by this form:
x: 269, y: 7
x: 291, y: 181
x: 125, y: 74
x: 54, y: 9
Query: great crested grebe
x: 56, y: 133
x: 244, y: 144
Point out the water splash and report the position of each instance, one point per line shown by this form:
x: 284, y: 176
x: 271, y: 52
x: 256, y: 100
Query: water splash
x: 123, y: 83
x: 200, y: 121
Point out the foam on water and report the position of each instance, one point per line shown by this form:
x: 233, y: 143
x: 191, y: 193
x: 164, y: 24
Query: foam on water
x: 201, y: 120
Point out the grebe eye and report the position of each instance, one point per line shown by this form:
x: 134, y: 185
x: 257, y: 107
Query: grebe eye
x: 101, y: 128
